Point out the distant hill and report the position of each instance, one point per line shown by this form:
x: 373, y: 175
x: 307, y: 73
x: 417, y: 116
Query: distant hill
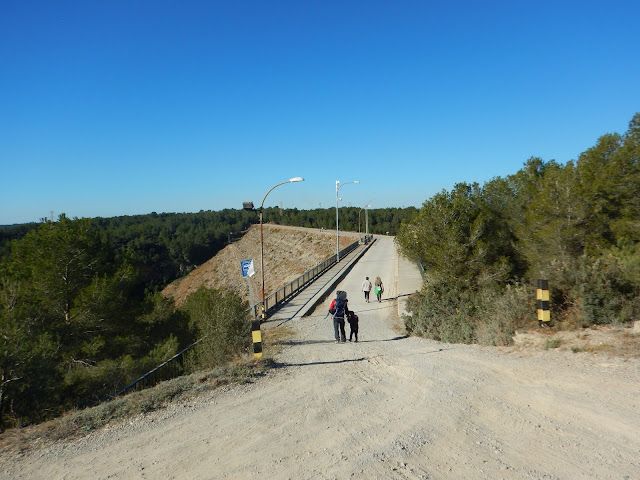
x: 288, y: 253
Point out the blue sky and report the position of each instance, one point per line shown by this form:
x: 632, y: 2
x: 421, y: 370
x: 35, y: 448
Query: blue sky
x: 122, y: 108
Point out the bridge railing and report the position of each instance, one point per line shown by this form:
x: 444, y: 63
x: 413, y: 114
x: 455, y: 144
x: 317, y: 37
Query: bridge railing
x: 294, y: 287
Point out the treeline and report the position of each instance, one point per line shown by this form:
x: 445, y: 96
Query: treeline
x: 381, y: 221
x: 483, y: 247
x: 167, y: 246
x: 163, y: 246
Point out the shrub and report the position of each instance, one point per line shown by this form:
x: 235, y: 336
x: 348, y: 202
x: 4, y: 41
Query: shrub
x: 501, y: 314
x: 552, y: 343
x: 222, y: 320
x: 442, y: 311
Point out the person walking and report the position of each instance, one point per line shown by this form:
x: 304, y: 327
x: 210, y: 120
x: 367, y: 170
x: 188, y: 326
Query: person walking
x: 339, y: 310
x: 366, y: 288
x: 379, y: 288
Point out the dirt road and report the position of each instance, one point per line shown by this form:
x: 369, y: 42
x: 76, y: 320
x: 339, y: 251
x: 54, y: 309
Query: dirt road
x: 387, y: 407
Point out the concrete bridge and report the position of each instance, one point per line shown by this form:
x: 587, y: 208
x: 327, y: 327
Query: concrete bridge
x: 380, y: 258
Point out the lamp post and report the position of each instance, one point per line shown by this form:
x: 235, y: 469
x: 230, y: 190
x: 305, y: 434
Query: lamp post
x: 365, y: 214
x: 366, y: 219
x: 338, y: 186
x: 247, y: 204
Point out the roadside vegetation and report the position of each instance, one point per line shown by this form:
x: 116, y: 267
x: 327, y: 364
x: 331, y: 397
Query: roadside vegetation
x: 483, y: 247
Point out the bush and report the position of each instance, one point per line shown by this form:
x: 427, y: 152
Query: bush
x: 442, y: 311
x: 223, y: 323
x: 552, y: 343
x: 451, y: 312
x: 503, y: 313
x: 598, y: 289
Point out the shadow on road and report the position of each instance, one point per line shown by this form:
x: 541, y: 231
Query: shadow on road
x: 283, y: 365
x: 312, y: 342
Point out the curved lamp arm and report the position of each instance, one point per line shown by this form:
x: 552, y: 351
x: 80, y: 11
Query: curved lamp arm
x: 291, y: 180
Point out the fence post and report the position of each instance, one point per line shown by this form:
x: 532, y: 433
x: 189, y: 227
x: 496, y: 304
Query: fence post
x: 542, y: 293
x: 257, y: 338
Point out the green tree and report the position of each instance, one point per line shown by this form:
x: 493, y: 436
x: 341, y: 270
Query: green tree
x: 27, y: 354
x: 460, y: 235
x: 222, y: 320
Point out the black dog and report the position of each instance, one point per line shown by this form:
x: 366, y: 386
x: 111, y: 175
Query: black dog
x: 352, y: 318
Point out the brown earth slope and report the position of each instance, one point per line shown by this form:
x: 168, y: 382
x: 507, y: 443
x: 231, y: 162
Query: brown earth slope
x: 288, y: 253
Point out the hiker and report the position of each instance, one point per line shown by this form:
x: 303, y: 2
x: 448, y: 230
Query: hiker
x: 366, y: 288
x: 379, y: 288
x: 352, y: 318
x: 339, y: 310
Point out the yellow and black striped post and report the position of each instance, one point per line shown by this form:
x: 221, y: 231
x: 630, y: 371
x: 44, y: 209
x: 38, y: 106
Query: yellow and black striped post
x: 257, y: 339
x: 544, y: 316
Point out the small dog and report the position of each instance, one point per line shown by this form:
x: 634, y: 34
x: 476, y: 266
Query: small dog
x: 352, y: 318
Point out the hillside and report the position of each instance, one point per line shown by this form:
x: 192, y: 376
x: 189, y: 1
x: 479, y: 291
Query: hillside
x: 288, y: 253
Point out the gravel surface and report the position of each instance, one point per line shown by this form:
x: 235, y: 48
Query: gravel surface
x: 387, y: 407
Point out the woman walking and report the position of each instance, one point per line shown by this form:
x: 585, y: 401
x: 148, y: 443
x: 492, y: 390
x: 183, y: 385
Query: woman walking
x: 366, y: 288
x: 379, y: 288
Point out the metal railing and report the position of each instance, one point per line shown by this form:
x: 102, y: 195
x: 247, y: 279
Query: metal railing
x: 174, y: 367
x: 294, y: 287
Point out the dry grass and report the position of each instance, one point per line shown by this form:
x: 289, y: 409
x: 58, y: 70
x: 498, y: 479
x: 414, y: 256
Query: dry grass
x: 611, y: 341
x: 77, y: 423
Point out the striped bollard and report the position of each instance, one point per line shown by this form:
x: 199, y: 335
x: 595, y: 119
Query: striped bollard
x: 544, y: 316
x: 257, y: 338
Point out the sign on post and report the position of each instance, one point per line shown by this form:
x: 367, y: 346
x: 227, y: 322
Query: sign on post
x: 248, y: 271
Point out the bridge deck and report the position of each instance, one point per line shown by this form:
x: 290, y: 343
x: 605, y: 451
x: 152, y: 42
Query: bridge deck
x: 409, y: 281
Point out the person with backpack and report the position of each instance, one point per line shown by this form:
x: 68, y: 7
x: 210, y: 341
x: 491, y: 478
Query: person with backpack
x: 339, y: 310
x: 366, y: 288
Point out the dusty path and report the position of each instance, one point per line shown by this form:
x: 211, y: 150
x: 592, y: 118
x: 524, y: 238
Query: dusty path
x: 388, y: 407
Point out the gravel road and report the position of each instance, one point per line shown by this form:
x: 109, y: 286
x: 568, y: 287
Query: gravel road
x: 387, y: 407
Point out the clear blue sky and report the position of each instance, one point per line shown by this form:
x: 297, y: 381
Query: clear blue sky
x: 128, y: 107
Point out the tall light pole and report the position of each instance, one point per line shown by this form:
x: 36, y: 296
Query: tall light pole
x: 366, y: 219
x: 338, y: 186
x: 249, y: 206
x: 365, y: 214
x: 291, y: 180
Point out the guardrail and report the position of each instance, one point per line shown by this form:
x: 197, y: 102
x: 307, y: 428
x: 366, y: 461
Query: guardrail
x: 174, y: 367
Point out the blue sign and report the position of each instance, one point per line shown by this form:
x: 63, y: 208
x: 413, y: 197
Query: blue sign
x: 247, y: 268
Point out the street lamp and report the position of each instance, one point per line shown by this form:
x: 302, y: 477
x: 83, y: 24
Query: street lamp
x: 338, y: 186
x: 366, y: 219
x: 246, y: 206
x: 365, y: 213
